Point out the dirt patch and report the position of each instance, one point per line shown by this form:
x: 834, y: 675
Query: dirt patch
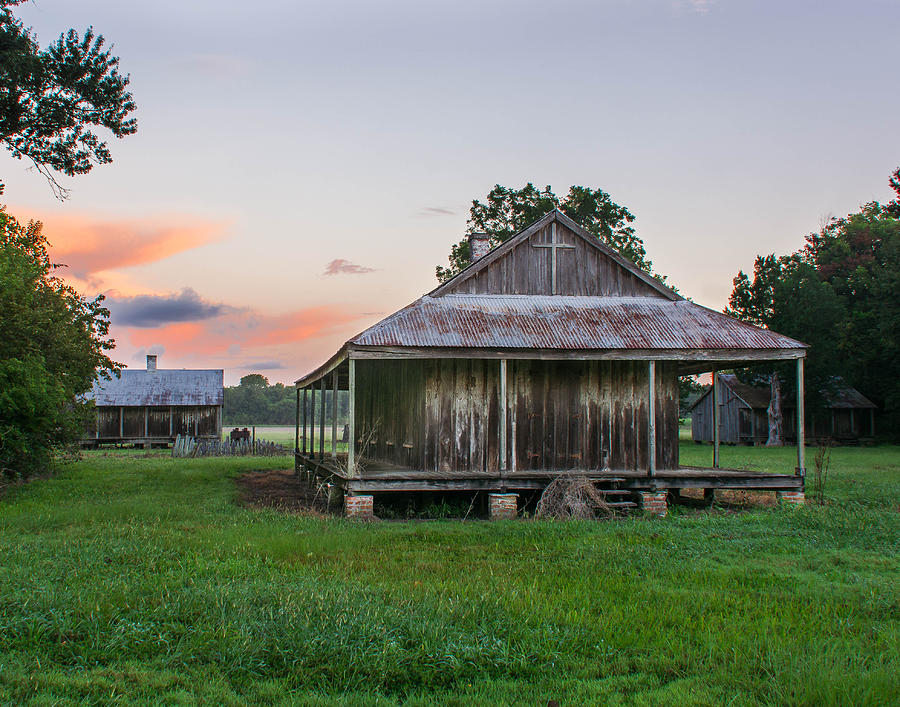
x: 734, y: 500
x: 282, y: 490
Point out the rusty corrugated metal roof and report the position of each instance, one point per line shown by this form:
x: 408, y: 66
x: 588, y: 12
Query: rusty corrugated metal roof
x: 758, y: 396
x: 161, y: 387
x: 846, y: 397
x: 755, y: 396
x: 565, y: 322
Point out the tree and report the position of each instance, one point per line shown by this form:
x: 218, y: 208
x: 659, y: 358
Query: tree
x: 254, y: 380
x: 787, y: 296
x: 507, y: 211
x: 838, y: 294
x: 688, y: 390
x: 255, y: 402
x: 50, y: 99
x: 893, y: 208
x: 52, y: 348
x: 859, y: 258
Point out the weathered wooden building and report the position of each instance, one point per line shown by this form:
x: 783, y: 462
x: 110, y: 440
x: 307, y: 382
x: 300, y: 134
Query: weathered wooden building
x: 848, y: 416
x: 742, y: 413
x: 155, y: 405
x: 551, y: 354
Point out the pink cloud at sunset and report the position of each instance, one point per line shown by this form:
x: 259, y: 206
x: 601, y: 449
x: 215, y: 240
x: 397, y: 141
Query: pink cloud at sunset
x: 90, y: 244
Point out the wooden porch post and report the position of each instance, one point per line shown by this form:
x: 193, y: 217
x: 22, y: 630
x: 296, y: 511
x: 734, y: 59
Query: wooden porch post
x: 322, y: 420
x: 171, y: 420
x: 312, y: 421
x: 304, y: 407
x: 801, y: 421
x: 715, y: 402
x: 146, y: 422
x: 652, y: 396
x: 297, y: 425
x: 121, y: 422
x: 502, y: 414
x: 334, y: 411
x: 351, y: 447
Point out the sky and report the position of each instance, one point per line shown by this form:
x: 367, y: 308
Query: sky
x: 301, y: 168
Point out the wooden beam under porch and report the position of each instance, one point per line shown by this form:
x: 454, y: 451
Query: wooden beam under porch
x: 378, y: 477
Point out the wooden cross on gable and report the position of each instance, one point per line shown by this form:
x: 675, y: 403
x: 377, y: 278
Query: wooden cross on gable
x: 554, y: 245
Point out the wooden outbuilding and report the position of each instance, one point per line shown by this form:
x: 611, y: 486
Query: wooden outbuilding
x: 153, y: 406
x: 848, y: 416
x: 550, y: 355
x: 742, y: 413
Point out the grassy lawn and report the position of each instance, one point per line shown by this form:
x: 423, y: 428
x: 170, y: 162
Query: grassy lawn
x: 138, y: 579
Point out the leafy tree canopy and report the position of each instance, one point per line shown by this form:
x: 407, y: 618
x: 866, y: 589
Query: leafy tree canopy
x: 254, y: 380
x: 507, y: 211
x: 50, y: 99
x: 255, y: 402
x: 893, y: 208
x: 52, y: 347
x: 839, y: 295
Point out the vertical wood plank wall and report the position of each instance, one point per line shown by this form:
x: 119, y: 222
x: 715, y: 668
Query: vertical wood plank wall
x: 158, y: 421
x: 444, y: 414
x: 526, y: 271
x: 730, y: 406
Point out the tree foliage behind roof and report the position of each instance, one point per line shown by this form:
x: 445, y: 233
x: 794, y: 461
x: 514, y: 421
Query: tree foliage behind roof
x: 507, y: 211
x: 839, y: 295
x: 50, y: 99
x: 53, y: 345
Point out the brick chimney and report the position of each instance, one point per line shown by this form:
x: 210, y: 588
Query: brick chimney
x: 479, y: 246
x: 151, y: 362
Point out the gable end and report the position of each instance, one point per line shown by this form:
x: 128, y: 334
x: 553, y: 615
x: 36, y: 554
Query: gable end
x: 524, y: 265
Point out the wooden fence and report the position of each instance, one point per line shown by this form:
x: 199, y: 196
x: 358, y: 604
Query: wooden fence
x: 186, y: 446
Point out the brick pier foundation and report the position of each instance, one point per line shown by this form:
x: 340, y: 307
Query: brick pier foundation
x: 791, y: 498
x: 502, y: 505
x: 359, y: 506
x: 654, y: 502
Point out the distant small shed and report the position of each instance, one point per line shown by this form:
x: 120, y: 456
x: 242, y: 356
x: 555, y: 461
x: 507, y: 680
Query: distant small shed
x: 743, y: 415
x: 155, y: 405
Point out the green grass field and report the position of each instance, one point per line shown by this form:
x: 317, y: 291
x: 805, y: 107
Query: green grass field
x: 138, y: 579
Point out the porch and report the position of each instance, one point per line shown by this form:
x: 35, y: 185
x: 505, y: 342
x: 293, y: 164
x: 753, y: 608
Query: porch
x: 375, y: 477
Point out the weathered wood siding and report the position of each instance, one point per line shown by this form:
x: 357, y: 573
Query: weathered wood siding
x: 108, y: 421
x: 730, y: 407
x: 583, y: 270
x: 390, y: 404
x: 443, y: 415
x: 590, y: 415
x: 153, y: 422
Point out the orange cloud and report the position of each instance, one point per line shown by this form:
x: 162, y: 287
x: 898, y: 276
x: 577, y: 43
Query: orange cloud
x: 90, y: 244
x: 307, y: 323
x: 243, y: 331
x: 183, y: 337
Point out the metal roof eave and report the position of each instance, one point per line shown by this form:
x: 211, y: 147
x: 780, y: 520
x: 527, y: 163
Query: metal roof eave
x: 705, y: 356
x: 317, y: 374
